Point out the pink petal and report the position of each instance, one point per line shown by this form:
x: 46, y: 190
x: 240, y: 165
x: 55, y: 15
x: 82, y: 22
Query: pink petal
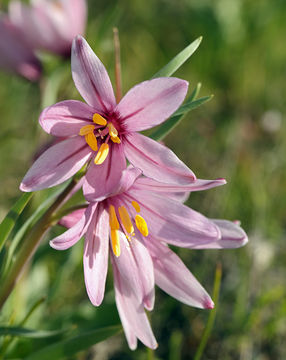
x: 172, y: 222
x: 71, y: 219
x: 232, y: 236
x: 156, y: 160
x: 151, y: 102
x: 90, y: 77
x: 127, y: 180
x: 66, y: 118
x: 134, y: 320
x: 172, y: 276
x: 127, y: 267
x: 198, y: 185
x: 95, y: 257
x: 146, y: 271
x: 74, y: 234
x: 102, y: 180
x: 57, y: 164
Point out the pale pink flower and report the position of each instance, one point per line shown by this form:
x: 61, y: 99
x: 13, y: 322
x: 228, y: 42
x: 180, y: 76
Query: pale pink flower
x: 15, y: 54
x: 50, y: 24
x: 105, y: 132
x: 134, y: 226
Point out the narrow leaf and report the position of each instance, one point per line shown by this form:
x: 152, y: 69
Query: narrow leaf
x: 28, y: 333
x: 195, y: 92
x: 11, y: 218
x: 191, y: 105
x: 73, y: 345
x: 179, y: 59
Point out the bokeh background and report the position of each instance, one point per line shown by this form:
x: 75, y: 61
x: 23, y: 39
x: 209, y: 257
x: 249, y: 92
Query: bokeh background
x: 240, y: 135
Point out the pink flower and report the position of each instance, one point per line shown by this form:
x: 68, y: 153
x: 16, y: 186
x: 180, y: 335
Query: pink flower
x: 50, y: 25
x: 134, y: 226
x: 15, y: 54
x: 105, y: 132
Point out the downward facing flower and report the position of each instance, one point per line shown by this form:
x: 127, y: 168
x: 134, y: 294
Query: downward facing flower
x: 134, y: 226
x: 105, y: 133
x: 49, y: 24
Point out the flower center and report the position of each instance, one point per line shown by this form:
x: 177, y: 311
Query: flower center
x: 103, y: 129
x: 126, y: 225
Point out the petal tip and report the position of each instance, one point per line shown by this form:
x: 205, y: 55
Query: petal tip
x: 24, y: 187
x: 209, y: 304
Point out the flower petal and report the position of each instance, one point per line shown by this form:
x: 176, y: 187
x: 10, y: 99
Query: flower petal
x: 172, y: 276
x: 151, y: 102
x: 71, y: 219
x: 156, y: 160
x: 102, y: 180
x: 146, y: 272
x: 172, y: 222
x: 66, y: 118
x: 90, y: 77
x: 57, y: 164
x: 95, y: 257
x: 131, y: 311
x: 232, y: 236
x: 73, y: 235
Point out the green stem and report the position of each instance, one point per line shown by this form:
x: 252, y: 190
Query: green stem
x: 211, y: 318
x: 30, y: 244
x: 117, y: 65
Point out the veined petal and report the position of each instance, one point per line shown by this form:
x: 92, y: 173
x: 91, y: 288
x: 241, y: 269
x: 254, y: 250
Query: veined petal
x: 232, y: 236
x: 127, y: 267
x: 151, y: 102
x: 131, y: 311
x: 90, y: 77
x: 198, y: 185
x: 172, y: 276
x: 102, y: 180
x: 57, y: 164
x: 127, y: 180
x: 146, y: 271
x: 172, y: 222
x: 66, y: 118
x: 95, y: 257
x: 74, y: 234
x: 156, y: 160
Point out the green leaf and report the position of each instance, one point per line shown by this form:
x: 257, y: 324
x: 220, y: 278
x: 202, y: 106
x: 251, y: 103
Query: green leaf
x: 11, y: 218
x: 191, y: 105
x: 73, y: 345
x: 28, y: 333
x: 179, y: 60
x: 164, y: 129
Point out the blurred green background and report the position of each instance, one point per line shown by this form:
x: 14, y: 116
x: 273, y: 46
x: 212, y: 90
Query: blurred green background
x: 239, y: 135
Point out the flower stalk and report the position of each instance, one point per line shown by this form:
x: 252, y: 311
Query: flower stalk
x: 30, y: 244
x: 118, y: 85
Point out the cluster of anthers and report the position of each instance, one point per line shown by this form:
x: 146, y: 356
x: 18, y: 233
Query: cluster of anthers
x: 126, y: 225
x: 103, y: 129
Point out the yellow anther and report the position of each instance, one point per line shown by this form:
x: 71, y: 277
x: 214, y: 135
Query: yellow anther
x: 91, y: 141
x: 115, y: 139
x: 115, y: 242
x: 113, y: 221
x: 99, y: 120
x: 101, y: 154
x: 141, y: 225
x: 136, y: 206
x: 125, y: 218
x: 112, y: 131
x: 87, y: 129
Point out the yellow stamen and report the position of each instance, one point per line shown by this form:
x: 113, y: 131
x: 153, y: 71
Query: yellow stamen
x: 115, y: 242
x: 115, y: 139
x: 136, y: 206
x: 113, y: 221
x: 87, y: 129
x: 101, y: 154
x: 91, y: 141
x: 99, y: 120
x: 141, y: 225
x: 125, y: 218
x: 112, y: 131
